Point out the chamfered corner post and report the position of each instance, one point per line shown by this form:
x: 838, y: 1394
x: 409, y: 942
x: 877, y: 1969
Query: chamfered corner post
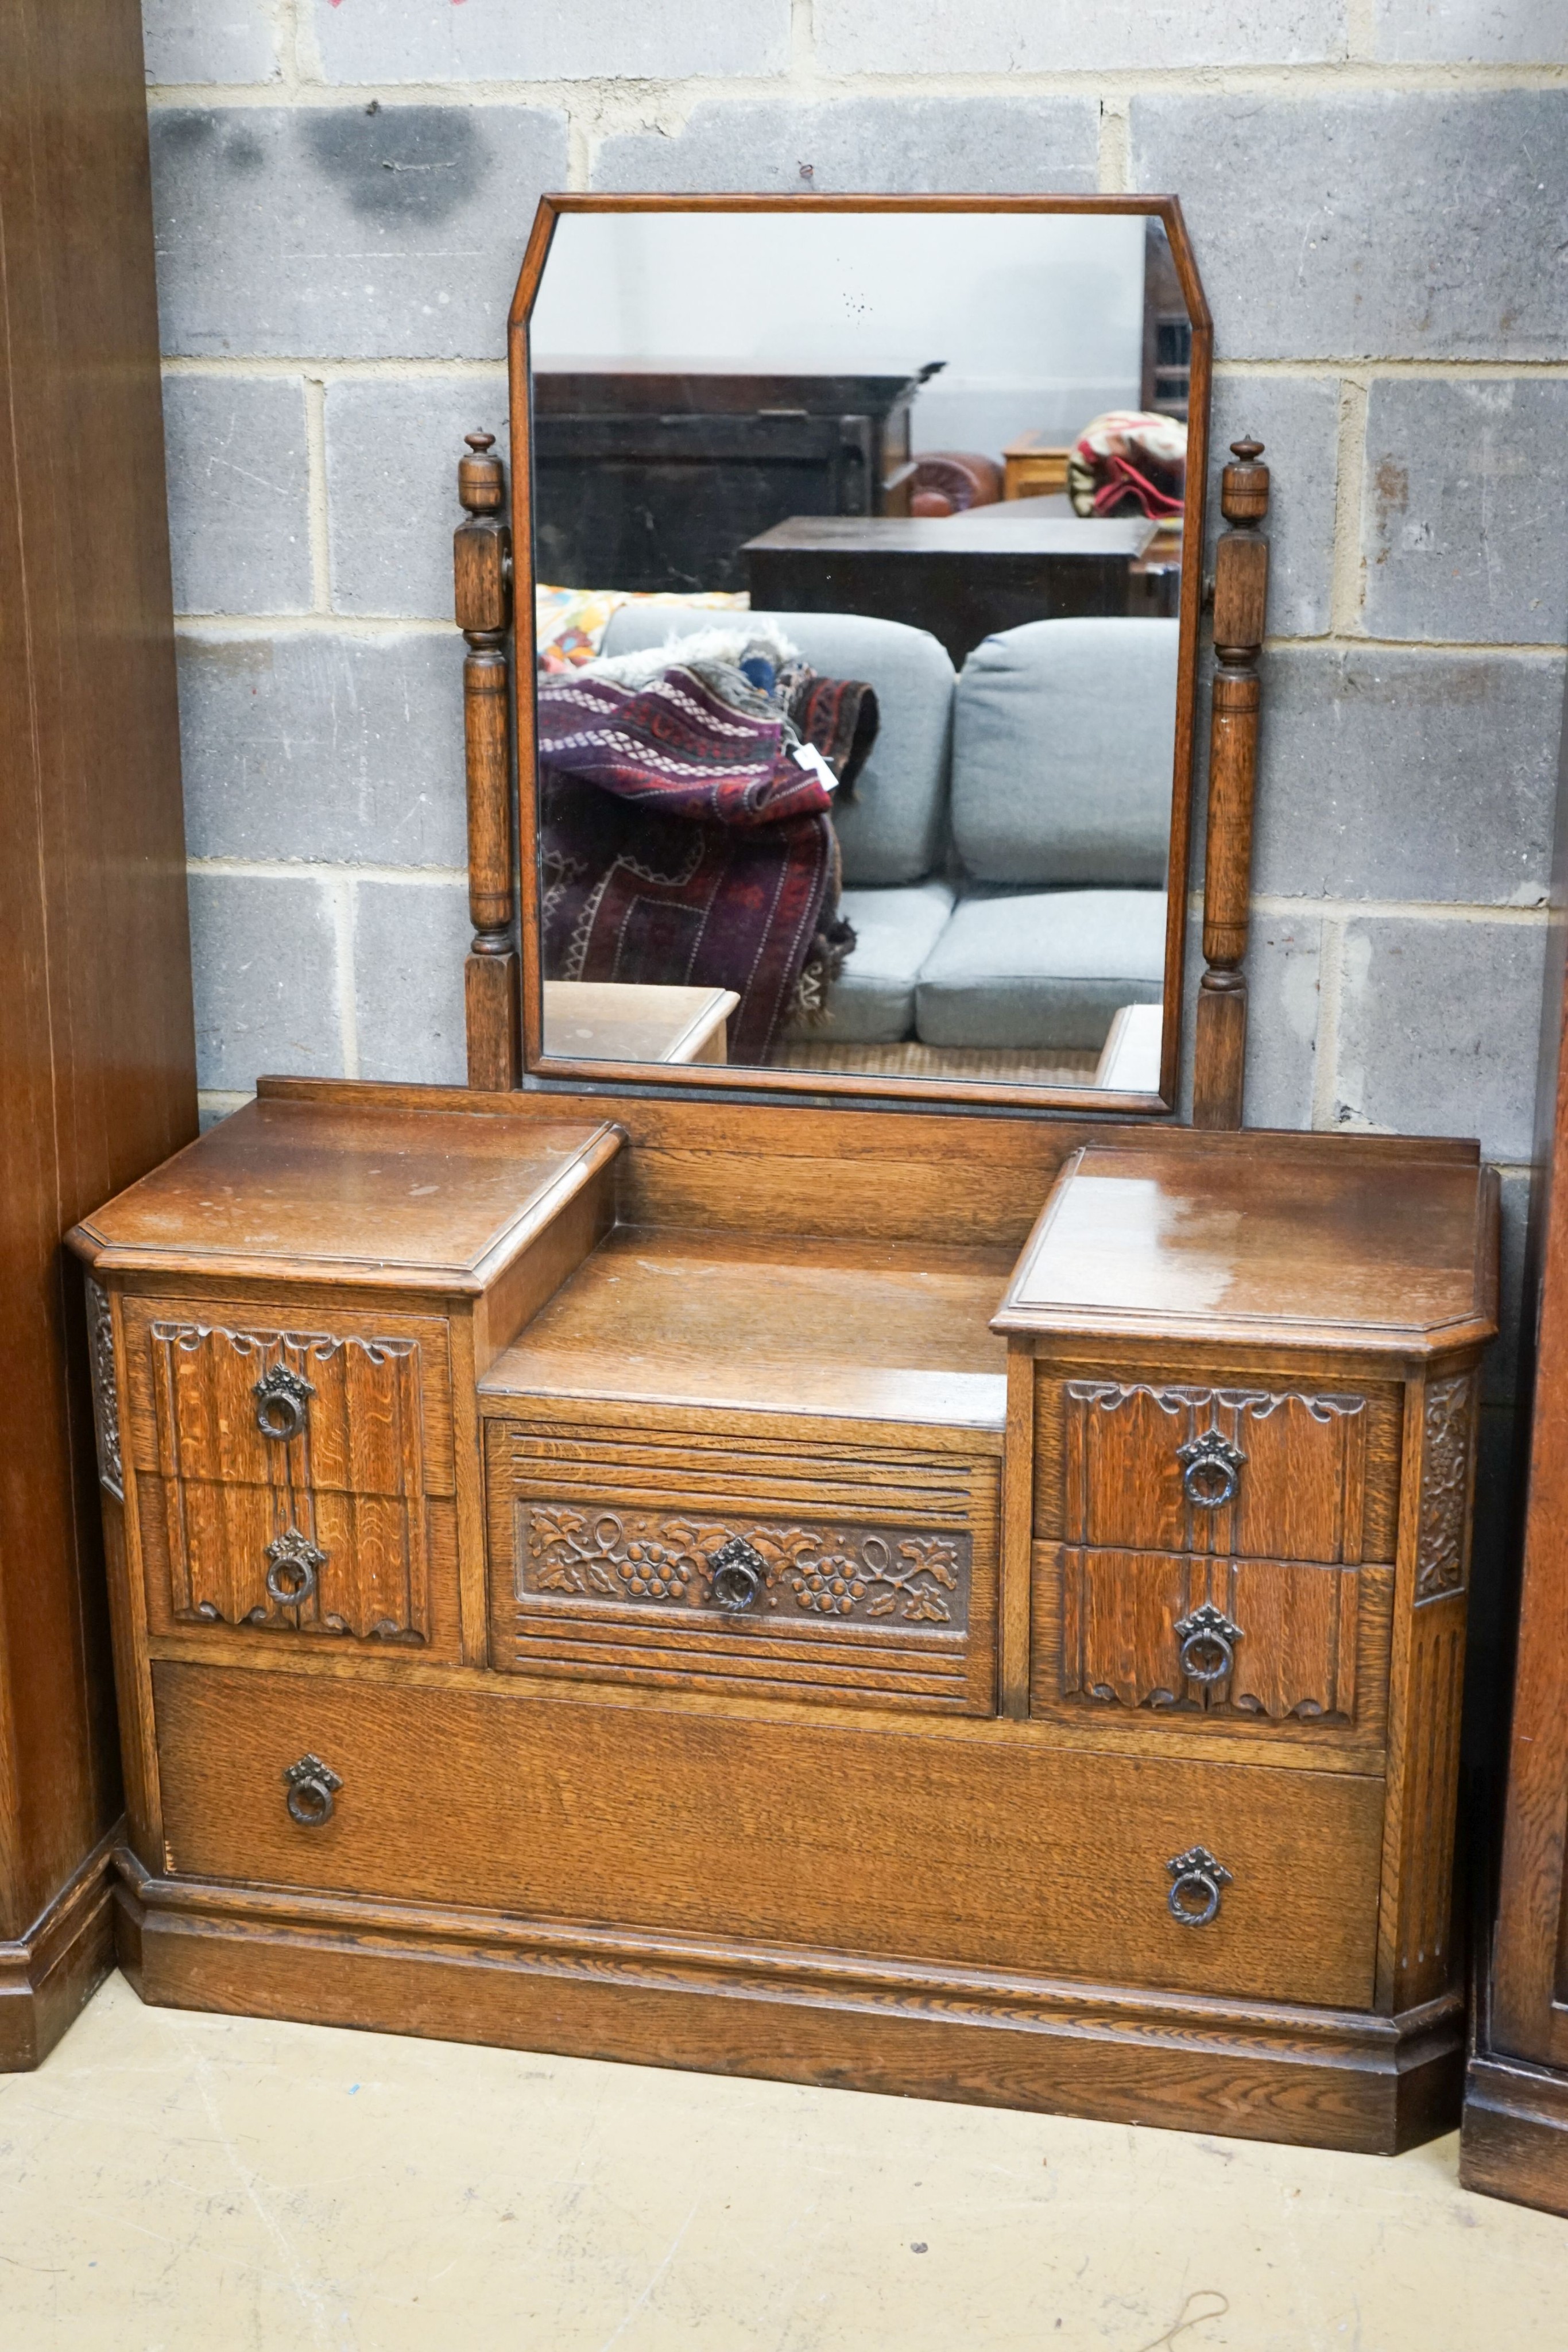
x: 1240, y: 596
x: 482, y: 570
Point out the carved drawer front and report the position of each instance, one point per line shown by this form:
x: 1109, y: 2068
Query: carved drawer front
x: 885, y: 1839
x: 1212, y: 1644
x: 1241, y: 1471
x: 292, y: 1477
x: 744, y: 1563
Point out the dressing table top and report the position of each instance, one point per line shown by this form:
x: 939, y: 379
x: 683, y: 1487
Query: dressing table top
x: 396, y: 1199
x: 860, y: 1329
x: 1306, y: 1244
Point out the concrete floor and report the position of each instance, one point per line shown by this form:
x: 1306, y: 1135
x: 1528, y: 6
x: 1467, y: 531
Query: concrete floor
x: 170, y: 2182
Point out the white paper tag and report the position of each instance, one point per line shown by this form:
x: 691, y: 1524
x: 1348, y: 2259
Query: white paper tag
x: 808, y: 756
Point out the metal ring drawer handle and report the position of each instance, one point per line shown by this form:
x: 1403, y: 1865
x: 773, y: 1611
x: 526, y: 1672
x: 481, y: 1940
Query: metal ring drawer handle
x: 293, y: 1564
x: 281, y: 1399
x: 739, y: 1575
x: 312, y: 1788
x: 1208, y: 1640
x: 1210, y: 1470
x: 1196, y: 1872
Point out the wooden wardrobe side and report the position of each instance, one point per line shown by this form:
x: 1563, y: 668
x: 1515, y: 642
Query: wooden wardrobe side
x: 98, y: 1075
x: 1515, y: 2136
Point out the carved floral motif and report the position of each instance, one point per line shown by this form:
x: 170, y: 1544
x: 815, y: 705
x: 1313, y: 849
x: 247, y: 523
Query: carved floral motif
x: 856, y: 1572
x: 105, y: 1398
x: 1445, y: 1488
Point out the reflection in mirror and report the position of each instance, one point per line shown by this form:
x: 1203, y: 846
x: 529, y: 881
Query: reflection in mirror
x: 857, y: 546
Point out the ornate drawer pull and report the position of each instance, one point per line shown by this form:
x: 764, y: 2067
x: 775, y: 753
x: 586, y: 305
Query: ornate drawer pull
x: 1208, y: 1641
x: 312, y: 1786
x: 739, y: 1574
x: 281, y: 1398
x: 293, y: 1561
x: 1196, y: 1872
x: 1210, y: 1470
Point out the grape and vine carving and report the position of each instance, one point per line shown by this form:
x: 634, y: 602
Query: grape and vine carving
x: 846, y: 1572
x: 105, y: 1396
x: 1445, y: 1488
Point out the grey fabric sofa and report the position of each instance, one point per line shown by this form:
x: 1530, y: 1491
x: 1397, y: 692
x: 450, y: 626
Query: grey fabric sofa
x: 1003, y: 859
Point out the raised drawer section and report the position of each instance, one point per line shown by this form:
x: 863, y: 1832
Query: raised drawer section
x: 1239, y: 1469
x: 972, y: 1845
x: 293, y: 1477
x: 743, y: 1562
x: 1212, y: 1644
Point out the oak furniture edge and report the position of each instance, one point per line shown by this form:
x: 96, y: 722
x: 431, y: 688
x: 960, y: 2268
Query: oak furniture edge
x: 1315, y: 2077
x: 1271, y: 1748
x: 98, y: 1078
x: 648, y: 1104
x: 1513, y: 2139
x: 467, y: 1277
x: 48, y: 1975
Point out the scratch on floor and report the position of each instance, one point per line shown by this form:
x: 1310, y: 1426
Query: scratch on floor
x: 1187, y: 2317
x: 671, y: 2251
x: 308, y: 2295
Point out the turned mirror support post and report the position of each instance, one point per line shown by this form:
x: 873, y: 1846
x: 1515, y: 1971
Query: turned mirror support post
x: 1240, y: 594
x: 482, y: 569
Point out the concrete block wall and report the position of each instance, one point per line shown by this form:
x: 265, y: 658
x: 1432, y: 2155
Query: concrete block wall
x: 1378, y: 195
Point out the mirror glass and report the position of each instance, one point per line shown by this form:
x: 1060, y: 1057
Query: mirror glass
x: 857, y: 547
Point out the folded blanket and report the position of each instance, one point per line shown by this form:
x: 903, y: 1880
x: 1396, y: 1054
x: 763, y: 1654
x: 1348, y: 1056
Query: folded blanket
x: 569, y: 622
x: 1128, y: 462
x: 684, y: 842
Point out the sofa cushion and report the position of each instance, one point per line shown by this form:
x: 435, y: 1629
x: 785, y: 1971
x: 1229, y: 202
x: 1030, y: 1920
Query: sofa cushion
x: 1041, y: 968
x: 1063, y: 743
x: 893, y: 829
x: 873, y: 1001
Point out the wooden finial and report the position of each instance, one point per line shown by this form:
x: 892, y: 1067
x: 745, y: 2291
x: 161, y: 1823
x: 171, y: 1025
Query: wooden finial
x: 1240, y: 595
x: 481, y: 480
x: 482, y: 579
x: 1244, y: 486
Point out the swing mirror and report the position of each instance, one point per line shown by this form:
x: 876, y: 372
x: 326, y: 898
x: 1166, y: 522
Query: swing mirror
x: 859, y: 543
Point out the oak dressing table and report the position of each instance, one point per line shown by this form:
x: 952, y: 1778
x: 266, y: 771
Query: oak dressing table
x: 947, y: 1587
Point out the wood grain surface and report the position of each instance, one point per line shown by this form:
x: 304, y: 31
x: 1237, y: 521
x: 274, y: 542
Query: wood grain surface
x: 873, y: 1841
x: 875, y: 1565
x: 948, y: 1727
x: 1325, y: 2077
x: 1182, y: 1244
x: 627, y: 1020
x: 1305, y: 1460
x: 888, y: 1331
x: 286, y: 1189
x: 97, y: 1072
x: 1108, y: 1634
x: 1240, y: 596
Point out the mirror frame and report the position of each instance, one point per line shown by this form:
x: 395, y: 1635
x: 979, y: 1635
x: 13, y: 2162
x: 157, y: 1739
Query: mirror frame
x: 519, y: 977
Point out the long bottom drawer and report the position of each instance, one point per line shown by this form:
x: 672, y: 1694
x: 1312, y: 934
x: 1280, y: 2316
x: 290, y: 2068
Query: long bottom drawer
x: 989, y: 1847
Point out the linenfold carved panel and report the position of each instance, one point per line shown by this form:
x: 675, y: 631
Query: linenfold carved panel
x: 1137, y: 1632
x: 344, y: 1490
x: 1226, y: 1471
x: 1448, y: 1431
x: 105, y: 1397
